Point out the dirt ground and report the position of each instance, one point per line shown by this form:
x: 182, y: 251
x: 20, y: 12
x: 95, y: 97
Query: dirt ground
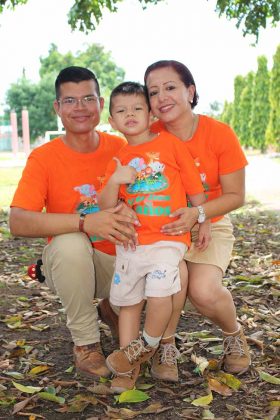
x: 33, y: 334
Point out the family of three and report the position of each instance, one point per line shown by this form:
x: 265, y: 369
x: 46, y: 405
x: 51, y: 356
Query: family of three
x: 157, y: 197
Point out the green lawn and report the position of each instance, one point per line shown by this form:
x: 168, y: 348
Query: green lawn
x: 9, y: 178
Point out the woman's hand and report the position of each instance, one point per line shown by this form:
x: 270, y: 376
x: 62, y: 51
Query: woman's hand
x: 186, y: 219
x: 204, y: 235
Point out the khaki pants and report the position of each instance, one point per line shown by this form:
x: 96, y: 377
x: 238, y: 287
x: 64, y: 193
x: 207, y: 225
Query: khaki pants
x: 77, y: 273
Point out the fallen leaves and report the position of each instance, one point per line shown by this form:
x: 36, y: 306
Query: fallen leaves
x: 36, y: 349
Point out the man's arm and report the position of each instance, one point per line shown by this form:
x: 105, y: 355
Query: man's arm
x: 107, y: 224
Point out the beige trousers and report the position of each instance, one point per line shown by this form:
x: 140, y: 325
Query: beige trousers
x: 77, y: 273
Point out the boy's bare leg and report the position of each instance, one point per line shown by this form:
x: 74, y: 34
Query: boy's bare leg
x: 178, y: 301
x: 129, y: 323
x: 158, y: 313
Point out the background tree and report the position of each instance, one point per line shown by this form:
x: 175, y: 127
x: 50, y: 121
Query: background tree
x: 246, y: 110
x: 227, y: 113
x: 85, y: 15
x: 38, y: 98
x: 273, y: 129
x: 260, y: 105
x: 239, y: 84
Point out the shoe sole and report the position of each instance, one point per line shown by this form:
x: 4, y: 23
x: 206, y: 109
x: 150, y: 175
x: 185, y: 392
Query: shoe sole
x: 91, y: 375
x: 155, y: 376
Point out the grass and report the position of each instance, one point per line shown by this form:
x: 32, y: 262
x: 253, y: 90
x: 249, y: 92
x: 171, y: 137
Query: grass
x: 9, y: 178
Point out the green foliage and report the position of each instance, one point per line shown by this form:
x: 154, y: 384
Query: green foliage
x: 260, y: 105
x: 251, y: 14
x: 246, y: 110
x: 38, y: 98
x: 273, y: 129
x: 85, y: 15
x: 227, y: 113
x: 239, y: 84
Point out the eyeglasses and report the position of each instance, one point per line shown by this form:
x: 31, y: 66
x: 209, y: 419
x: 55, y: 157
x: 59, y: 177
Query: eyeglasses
x: 72, y: 102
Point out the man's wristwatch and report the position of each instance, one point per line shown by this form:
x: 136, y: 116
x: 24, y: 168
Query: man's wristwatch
x: 201, y: 214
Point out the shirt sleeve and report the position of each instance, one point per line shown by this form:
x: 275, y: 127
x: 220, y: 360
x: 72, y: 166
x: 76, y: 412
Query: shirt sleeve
x: 228, y: 149
x: 31, y: 193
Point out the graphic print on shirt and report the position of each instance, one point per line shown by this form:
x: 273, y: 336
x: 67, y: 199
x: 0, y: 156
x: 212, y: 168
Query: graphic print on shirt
x: 88, y: 203
x: 202, y: 174
x: 150, y: 175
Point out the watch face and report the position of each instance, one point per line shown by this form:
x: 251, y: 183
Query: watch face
x: 201, y: 218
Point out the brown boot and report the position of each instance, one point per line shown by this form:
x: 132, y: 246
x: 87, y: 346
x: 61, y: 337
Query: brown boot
x: 123, y: 361
x: 236, y: 352
x: 164, y: 363
x: 109, y: 317
x: 125, y: 382
x: 90, y: 360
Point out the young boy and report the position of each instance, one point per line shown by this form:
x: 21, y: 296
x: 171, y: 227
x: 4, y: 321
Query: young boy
x: 152, y: 174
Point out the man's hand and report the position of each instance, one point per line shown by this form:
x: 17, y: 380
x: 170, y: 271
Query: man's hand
x: 111, y: 225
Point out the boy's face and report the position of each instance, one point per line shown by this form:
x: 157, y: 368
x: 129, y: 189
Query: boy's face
x: 130, y: 114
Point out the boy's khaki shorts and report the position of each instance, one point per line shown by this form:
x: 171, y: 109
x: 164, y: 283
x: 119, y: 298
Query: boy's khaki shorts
x: 149, y: 271
x: 220, y: 247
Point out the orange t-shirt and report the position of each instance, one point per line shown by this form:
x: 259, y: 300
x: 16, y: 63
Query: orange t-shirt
x: 216, y: 151
x: 166, y: 173
x: 62, y: 180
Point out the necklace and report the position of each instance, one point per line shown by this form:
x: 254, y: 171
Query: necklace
x: 192, y: 127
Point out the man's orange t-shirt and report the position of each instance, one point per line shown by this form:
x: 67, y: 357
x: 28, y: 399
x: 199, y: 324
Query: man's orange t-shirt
x: 216, y: 151
x: 60, y: 180
x: 165, y: 174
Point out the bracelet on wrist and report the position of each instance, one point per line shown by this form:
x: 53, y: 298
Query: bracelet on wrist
x: 82, y: 222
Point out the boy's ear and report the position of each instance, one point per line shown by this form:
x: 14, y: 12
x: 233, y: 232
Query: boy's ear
x: 112, y: 123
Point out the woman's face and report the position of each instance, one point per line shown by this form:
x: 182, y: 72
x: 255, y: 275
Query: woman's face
x: 169, y: 97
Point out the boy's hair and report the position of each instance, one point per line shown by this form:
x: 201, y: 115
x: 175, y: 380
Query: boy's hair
x: 75, y: 74
x: 128, y: 88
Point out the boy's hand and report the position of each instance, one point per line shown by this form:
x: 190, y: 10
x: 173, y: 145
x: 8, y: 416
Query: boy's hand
x: 204, y: 235
x: 123, y: 174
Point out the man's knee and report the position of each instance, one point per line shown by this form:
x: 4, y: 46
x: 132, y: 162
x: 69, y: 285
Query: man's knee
x: 71, y: 246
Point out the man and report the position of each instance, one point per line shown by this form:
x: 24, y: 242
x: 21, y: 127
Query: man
x: 62, y: 177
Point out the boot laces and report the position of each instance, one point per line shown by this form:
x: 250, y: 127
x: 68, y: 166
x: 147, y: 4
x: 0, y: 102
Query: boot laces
x: 135, y: 349
x: 168, y: 354
x: 234, y: 345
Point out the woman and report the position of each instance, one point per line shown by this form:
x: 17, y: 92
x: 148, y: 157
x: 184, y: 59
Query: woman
x: 221, y: 163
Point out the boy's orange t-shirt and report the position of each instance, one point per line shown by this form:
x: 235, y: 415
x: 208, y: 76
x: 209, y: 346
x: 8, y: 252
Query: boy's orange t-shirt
x: 165, y: 174
x: 60, y: 180
x: 216, y: 151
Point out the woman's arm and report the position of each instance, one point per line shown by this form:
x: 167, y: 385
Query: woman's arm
x: 233, y: 196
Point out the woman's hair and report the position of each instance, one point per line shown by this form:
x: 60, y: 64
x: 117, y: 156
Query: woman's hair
x: 182, y: 71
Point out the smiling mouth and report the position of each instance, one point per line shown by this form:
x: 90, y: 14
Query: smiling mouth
x: 165, y: 108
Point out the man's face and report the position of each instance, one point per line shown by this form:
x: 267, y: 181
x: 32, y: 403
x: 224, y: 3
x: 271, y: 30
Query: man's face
x: 79, y: 106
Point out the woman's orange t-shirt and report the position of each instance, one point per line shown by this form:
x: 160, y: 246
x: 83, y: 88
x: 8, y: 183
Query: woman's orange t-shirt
x: 216, y: 151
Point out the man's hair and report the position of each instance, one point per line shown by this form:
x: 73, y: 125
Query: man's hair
x: 128, y: 88
x: 75, y: 74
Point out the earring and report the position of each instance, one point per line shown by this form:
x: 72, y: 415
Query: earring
x: 191, y: 101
